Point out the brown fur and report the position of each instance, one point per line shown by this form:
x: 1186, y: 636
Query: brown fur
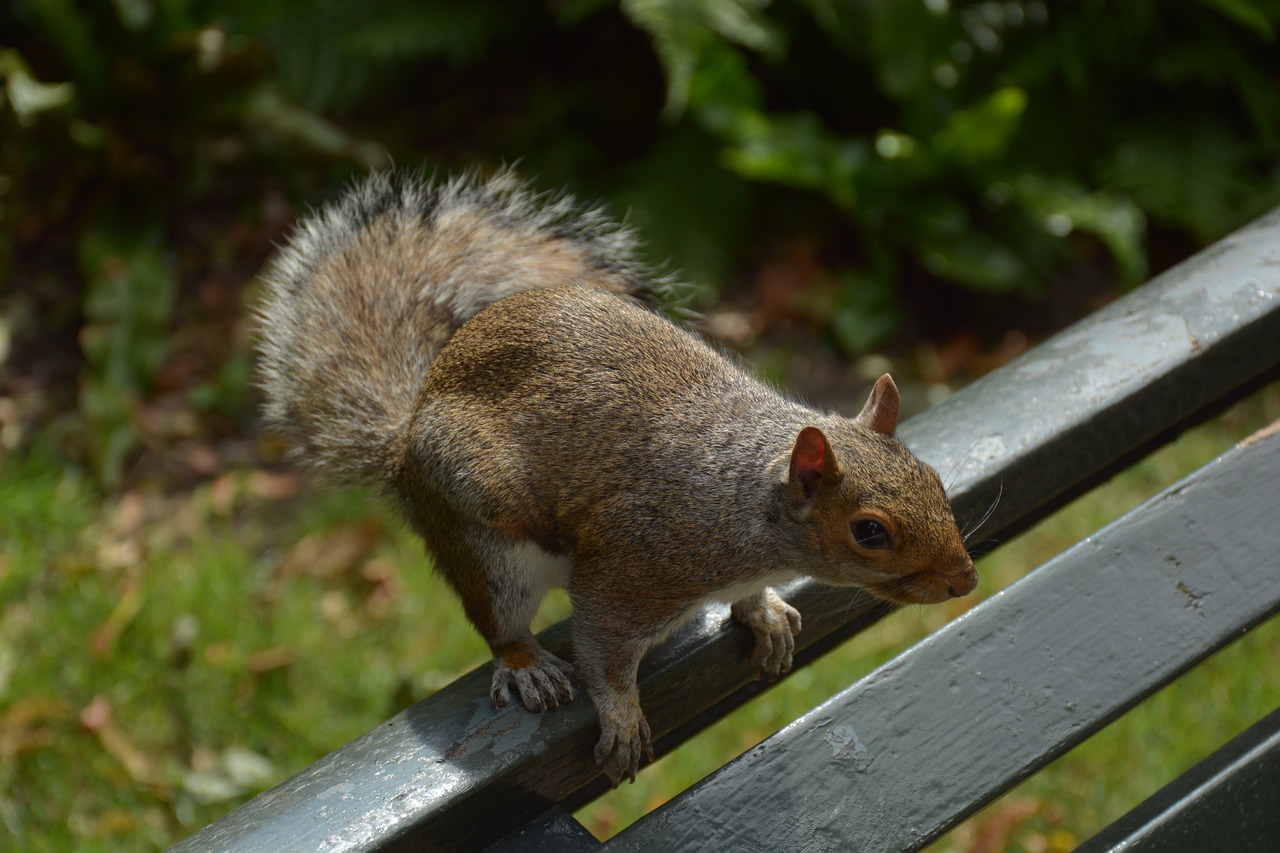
x: 543, y: 431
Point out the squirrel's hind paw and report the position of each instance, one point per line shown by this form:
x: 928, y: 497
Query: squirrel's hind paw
x: 543, y: 683
x: 621, y: 745
x: 775, y: 625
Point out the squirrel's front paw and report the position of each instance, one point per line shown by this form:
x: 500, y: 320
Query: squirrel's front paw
x: 774, y: 624
x: 624, y: 737
x: 542, y: 680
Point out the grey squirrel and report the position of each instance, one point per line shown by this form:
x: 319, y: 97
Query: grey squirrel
x: 482, y: 353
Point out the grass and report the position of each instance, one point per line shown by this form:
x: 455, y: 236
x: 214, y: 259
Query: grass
x: 165, y: 656
x: 162, y: 657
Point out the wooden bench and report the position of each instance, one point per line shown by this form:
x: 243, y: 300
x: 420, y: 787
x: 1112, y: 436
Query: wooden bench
x: 912, y: 749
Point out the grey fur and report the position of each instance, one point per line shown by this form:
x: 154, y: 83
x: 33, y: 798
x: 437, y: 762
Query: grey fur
x: 473, y: 348
x: 346, y: 335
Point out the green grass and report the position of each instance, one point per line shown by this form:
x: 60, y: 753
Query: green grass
x: 162, y: 656
x: 165, y: 656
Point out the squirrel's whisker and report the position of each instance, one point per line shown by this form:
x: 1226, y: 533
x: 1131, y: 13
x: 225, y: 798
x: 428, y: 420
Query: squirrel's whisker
x: 986, y: 516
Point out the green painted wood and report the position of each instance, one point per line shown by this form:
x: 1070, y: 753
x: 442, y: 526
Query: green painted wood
x: 914, y: 748
x: 454, y: 774
x: 1229, y: 801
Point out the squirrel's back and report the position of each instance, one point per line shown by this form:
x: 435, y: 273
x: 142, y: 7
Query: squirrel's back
x: 366, y: 292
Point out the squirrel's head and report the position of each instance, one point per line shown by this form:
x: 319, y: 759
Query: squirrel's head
x: 880, y: 516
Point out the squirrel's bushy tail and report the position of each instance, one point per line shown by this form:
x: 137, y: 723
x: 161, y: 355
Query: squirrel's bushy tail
x: 366, y: 292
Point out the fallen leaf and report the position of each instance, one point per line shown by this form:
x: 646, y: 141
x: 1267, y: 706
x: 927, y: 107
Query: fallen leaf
x: 96, y: 717
x: 275, y: 485
x: 113, y: 822
x: 996, y: 826
x: 333, y: 552
x: 222, y: 494
x: 780, y: 284
x: 24, y: 726
x: 103, y: 640
x: 267, y: 660
x: 383, y: 574
x: 1062, y: 840
x: 247, y: 768
x: 130, y: 513
x: 202, y: 458
x: 96, y: 714
x: 210, y: 787
x: 234, y: 772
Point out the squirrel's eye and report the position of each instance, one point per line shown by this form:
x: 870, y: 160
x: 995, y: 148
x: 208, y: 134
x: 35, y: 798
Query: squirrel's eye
x: 870, y: 534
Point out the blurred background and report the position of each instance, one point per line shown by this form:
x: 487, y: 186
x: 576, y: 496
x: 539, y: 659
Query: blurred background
x: 847, y: 185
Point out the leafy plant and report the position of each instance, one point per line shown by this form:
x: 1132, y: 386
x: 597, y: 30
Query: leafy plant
x: 932, y: 143
x: 127, y: 307
x: 992, y: 134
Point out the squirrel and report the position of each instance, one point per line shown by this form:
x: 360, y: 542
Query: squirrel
x: 494, y: 360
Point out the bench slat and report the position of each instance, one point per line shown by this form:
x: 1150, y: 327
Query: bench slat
x: 452, y: 772
x: 909, y: 751
x: 554, y: 831
x: 1226, y: 802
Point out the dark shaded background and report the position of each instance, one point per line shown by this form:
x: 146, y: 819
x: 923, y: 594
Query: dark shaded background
x: 844, y: 177
x: 848, y: 184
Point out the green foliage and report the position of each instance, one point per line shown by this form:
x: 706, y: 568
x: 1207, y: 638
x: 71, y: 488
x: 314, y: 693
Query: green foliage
x: 330, y: 54
x: 986, y: 146
x: 866, y: 311
x: 26, y: 96
x: 128, y: 300
x: 984, y: 137
x: 698, y: 233
x: 691, y: 34
x: 1195, y: 178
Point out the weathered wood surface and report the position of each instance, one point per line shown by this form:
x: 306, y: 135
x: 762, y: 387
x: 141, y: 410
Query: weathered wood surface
x: 915, y: 747
x: 452, y: 773
x: 554, y: 831
x: 1229, y: 801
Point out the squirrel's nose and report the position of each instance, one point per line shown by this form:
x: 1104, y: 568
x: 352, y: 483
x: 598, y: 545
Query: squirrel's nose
x: 964, y: 584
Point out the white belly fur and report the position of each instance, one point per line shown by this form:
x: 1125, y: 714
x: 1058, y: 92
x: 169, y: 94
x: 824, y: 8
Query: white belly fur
x: 545, y: 571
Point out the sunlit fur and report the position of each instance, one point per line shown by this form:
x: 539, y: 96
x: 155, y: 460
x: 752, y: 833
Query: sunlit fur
x: 481, y: 353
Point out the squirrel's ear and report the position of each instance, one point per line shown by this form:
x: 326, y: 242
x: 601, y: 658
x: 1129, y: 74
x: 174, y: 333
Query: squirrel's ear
x: 812, y: 461
x: 880, y: 414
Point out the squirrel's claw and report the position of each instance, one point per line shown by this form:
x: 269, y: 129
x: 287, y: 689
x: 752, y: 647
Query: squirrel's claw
x: 775, y: 625
x: 545, y: 683
x: 621, y: 746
